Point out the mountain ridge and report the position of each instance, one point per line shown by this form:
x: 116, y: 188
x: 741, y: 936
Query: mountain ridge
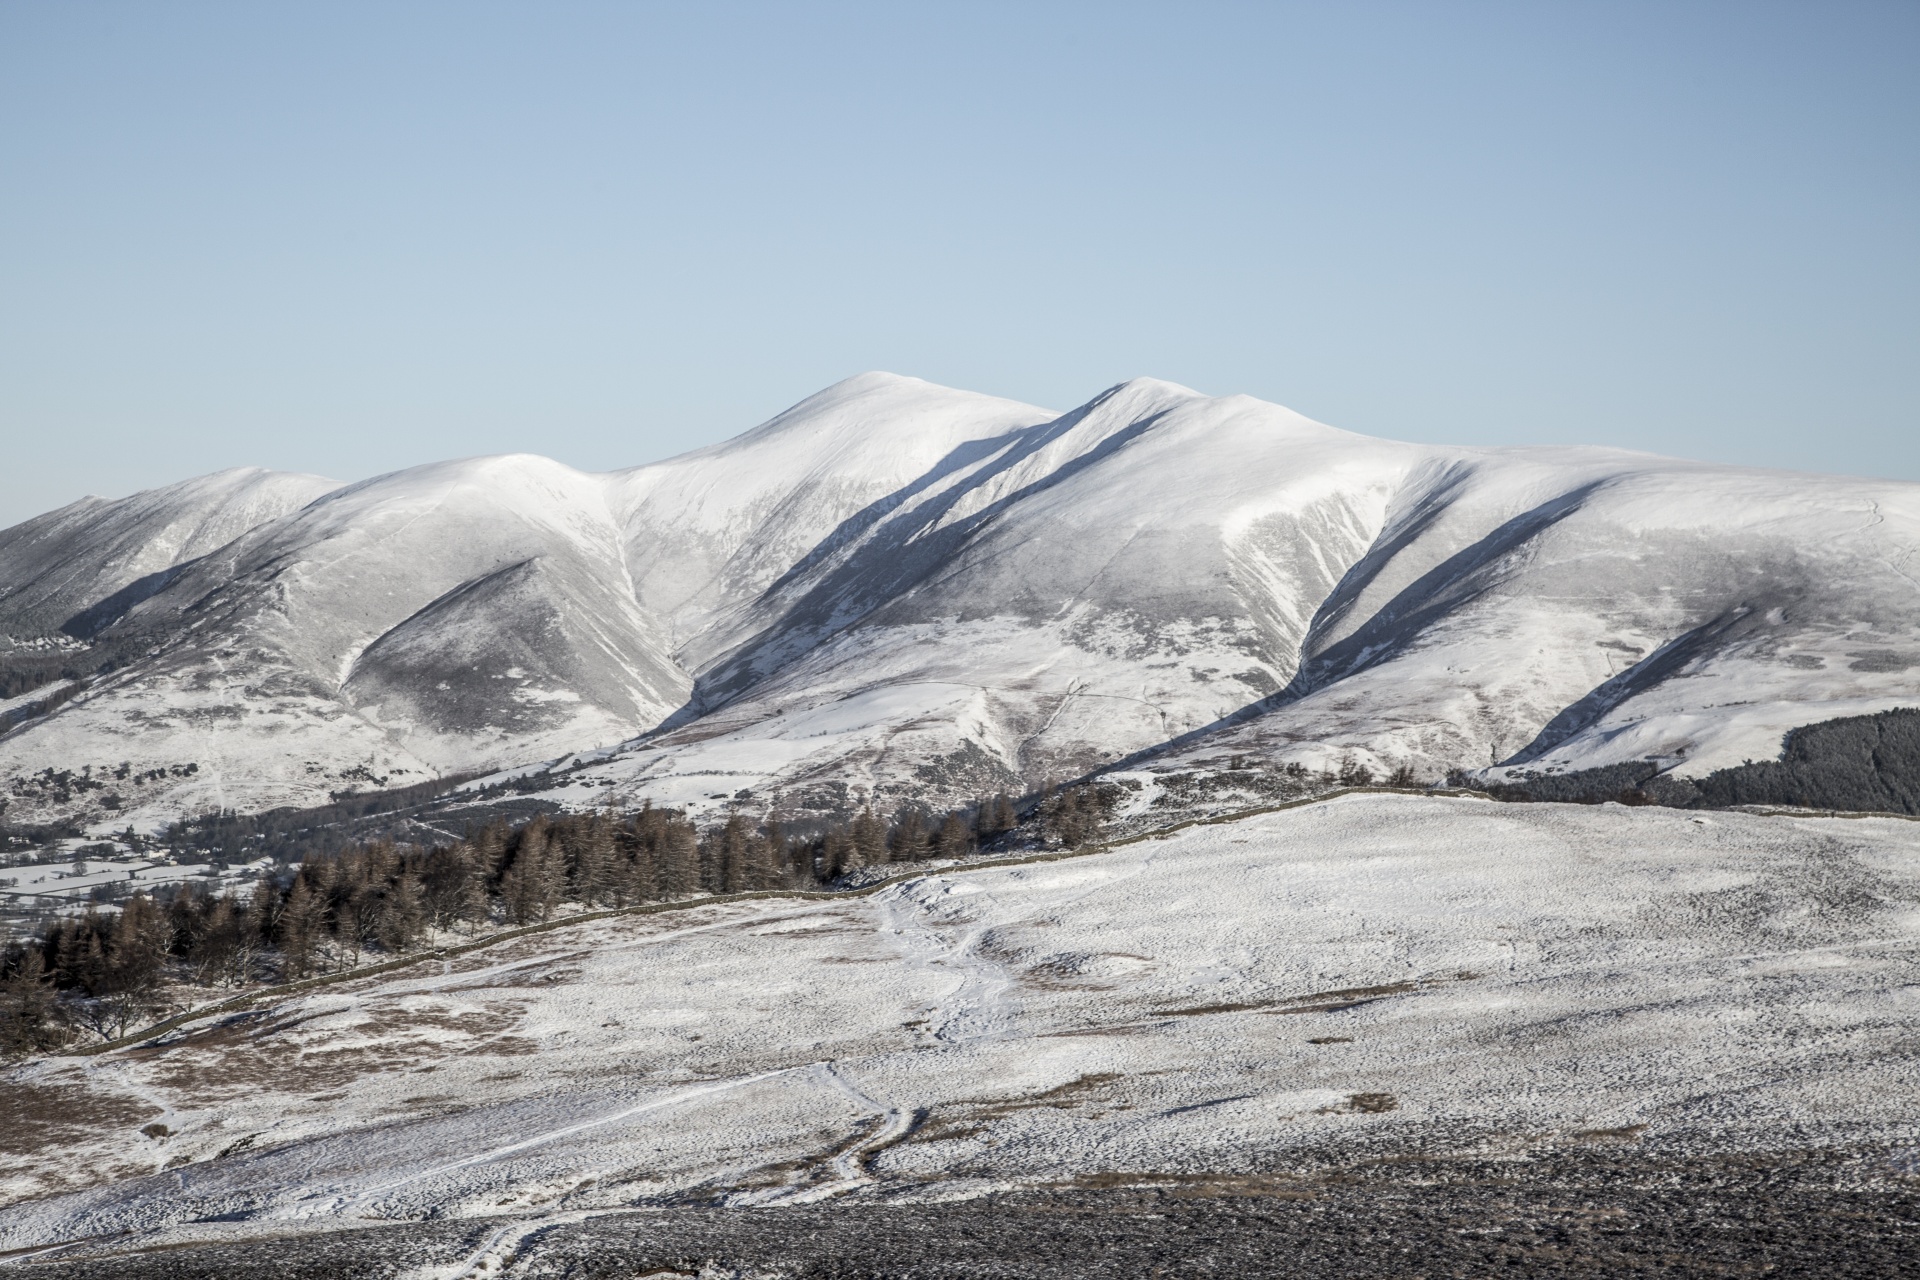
x: 896, y: 591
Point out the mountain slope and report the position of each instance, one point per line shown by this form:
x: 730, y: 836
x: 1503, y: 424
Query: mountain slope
x: 454, y: 616
x: 56, y: 566
x: 708, y: 532
x: 1087, y: 587
x: 898, y: 591
x: 258, y: 676
x: 1183, y: 580
x: 1564, y: 609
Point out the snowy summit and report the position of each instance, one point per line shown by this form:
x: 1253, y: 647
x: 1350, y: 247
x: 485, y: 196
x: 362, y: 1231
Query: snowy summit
x: 897, y: 590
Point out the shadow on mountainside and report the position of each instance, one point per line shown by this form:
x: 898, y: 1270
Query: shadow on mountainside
x: 1458, y: 580
x: 1657, y: 667
x: 886, y: 556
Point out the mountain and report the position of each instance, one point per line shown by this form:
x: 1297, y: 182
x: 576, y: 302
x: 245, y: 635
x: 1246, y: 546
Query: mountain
x: 57, y: 567
x: 462, y: 615
x: 895, y: 590
x: 1183, y: 580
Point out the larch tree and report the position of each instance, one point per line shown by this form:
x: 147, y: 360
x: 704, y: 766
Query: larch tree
x: 536, y: 877
x: 955, y: 837
x: 590, y: 858
x: 869, y: 840
x: 734, y: 856
x: 303, y: 928
x: 908, y: 839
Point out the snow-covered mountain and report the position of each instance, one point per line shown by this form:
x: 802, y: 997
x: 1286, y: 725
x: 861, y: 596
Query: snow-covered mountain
x: 896, y: 589
x: 56, y: 567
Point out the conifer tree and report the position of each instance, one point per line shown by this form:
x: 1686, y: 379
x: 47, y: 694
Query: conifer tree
x: 679, y: 858
x: 401, y: 914
x: 490, y: 851
x: 29, y: 1013
x: 994, y: 817
x: 452, y: 888
x: 303, y: 923
x: 218, y: 950
x: 1074, y: 816
x: 120, y: 966
x: 772, y: 857
x: 262, y: 914
x: 81, y: 955
x: 183, y: 921
x: 639, y: 879
x: 837, y: 856
x: 955, y: 837
x: 775, y: 856
x: 139, y: 950
x: 547, y: 864
x: 351, y: 916
x: 590, y: 867
x: 761, y: 873
x: 868, y: 838
x: 536, y: 878
x: 734, y: 854
x: 908, y: 839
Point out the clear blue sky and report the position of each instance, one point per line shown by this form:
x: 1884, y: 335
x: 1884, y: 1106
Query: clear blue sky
x: 347, y: 238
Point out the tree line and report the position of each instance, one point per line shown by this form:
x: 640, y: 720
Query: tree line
x: 107, y: 972
x: 1862, y: 764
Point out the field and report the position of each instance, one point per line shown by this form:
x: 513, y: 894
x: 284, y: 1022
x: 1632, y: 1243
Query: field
x: 1460, y: 1004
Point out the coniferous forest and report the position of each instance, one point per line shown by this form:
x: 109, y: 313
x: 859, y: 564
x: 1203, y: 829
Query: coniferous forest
x: 1859, y: 764
x: 110, y: 971
x: 100, y: 975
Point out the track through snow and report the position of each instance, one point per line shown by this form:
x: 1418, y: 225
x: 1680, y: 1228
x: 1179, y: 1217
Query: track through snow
x: 1373, y: 977
x: 941, y: 928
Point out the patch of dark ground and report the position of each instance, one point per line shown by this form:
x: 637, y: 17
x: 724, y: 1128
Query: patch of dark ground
x: 1611, y: 1218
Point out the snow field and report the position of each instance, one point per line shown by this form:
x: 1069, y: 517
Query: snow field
x: 1374, y: 975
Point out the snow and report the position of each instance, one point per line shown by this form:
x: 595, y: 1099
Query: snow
x: 29, y: 698
x: 1182, y: 566
x: 56, y: 565
x: 59, y: 881
x: 900, y: 591
x: 1367, y: 977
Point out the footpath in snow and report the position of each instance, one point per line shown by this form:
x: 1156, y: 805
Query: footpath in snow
x: 1373, y: 976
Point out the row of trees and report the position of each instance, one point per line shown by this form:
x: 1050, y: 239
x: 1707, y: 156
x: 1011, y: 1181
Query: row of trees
x: 108, y: 971
x: 1860, y: 764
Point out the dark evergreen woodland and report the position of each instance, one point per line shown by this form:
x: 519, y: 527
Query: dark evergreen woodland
x: 1861, y: 764
x: 107, y: 972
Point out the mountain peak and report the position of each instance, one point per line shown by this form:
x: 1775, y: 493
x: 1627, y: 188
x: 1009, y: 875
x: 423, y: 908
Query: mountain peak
x: 1144, y: 386
x: 899, y: 585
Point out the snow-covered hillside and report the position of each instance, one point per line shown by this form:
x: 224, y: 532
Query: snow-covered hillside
x: 92, y: 553
x: 1374, y: 977
x: 1185, y: 579
x: 897, y: 590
